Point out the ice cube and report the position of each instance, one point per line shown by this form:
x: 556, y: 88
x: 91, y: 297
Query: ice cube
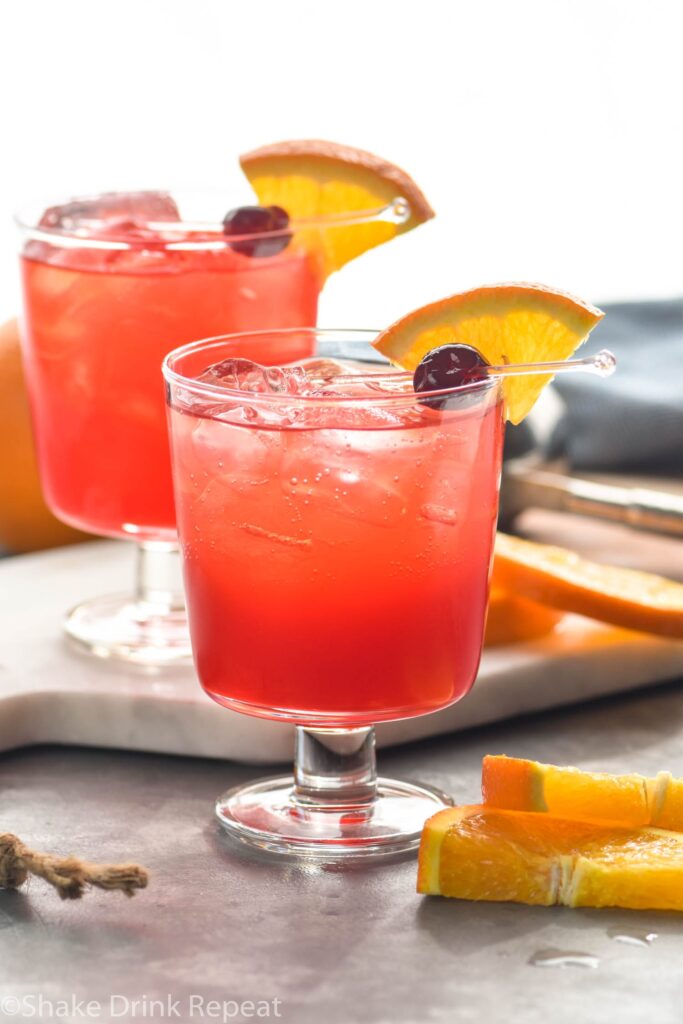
x: 245, y: 375
x: 111, y: 212
x: 230, y: 456
x: 439, y: 514
x: 331, y: 476
x: 327, y: 369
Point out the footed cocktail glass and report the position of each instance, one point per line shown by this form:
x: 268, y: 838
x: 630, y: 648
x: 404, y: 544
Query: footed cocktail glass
x: 111, y: 284
x: 336, y: 532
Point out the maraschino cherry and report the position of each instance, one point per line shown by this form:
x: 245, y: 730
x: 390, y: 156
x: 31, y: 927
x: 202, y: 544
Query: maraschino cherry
x: 449, y: 366
x: 258, y: 220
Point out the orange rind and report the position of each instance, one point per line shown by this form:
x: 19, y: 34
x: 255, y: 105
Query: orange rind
x: 484, y: 853
x: 513, y: 783
x: 316, y: 180
x: 506, y: 323
x: 561, y: 579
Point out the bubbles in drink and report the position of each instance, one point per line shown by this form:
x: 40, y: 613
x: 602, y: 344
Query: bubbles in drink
x: 330, y: 475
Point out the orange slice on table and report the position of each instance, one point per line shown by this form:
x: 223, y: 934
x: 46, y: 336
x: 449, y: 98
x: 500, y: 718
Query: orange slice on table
x: 310, y: 178
x: 516, y: 784
x: 506, y: 323
x: 512, y: 619
x: 562, y: 579
x: 483, y: 853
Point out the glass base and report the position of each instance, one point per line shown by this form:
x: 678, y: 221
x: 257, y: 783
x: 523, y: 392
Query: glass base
x: 120, y: 627
x: 267, y: 815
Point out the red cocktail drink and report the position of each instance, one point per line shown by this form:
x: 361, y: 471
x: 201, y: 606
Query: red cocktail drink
x: 97, y: 325
x: 111, y: 285
x: 336, y: 532
x: 337, y: 567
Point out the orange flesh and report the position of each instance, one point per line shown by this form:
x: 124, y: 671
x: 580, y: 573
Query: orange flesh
x: 315, y: 179
x: 561, y: 579
x: 483, y: 853
x: 506, y: 323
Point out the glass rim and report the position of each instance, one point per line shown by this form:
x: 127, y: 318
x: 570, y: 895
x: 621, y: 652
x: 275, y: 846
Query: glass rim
x: 348, y: 334
x: 397, y: 212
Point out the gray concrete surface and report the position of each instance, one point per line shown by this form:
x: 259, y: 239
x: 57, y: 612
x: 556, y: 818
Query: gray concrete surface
x: 333, y: 945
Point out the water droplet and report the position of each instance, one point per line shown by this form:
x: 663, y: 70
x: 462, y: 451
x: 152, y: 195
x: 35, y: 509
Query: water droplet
x: 563, y: 958
x: 632, y: 936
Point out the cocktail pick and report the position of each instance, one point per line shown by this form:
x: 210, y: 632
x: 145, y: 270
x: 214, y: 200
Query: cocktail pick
x: 471, y: 369
x: 603, y: 363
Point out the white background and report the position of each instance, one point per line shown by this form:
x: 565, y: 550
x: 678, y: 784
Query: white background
x: 546, y: 133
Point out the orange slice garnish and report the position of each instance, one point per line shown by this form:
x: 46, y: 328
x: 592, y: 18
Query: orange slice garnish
x: 313, y: 179
x: 506, y: 323
x: 483, y: 853
x: 561, y: 579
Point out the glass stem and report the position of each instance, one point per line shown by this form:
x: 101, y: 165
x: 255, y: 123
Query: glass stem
x: 158, y: 581
x: 335, y: 768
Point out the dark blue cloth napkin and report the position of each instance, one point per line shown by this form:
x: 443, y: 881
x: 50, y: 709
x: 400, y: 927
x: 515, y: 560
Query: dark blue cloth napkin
x: 633, y: 420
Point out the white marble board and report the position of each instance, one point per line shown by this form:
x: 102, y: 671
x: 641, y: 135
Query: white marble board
x: 52, y: 694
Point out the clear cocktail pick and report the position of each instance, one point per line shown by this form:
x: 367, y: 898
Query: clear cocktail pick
x: 603, y: 363
x: 396, y: 212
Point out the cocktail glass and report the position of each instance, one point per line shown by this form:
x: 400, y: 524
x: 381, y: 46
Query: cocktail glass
x: 111, y: 284
x: 336, y: 536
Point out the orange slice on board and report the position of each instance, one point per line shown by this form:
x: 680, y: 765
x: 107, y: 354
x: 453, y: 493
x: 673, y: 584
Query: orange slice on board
x: 483, y: 853
x: 310, y: 178
x: 506, y: 323
x: 512, y: 619
x: 516, y: 784
x: 561, y: 579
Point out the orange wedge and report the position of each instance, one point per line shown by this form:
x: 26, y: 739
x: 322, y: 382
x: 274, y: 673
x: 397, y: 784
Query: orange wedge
x: 561, y: 579
x: 507, y: 323
x: 520, y: 785
x: 483, y: 853
x: 516, y: 784
x: 310, y: 178
x: 512, y: 619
